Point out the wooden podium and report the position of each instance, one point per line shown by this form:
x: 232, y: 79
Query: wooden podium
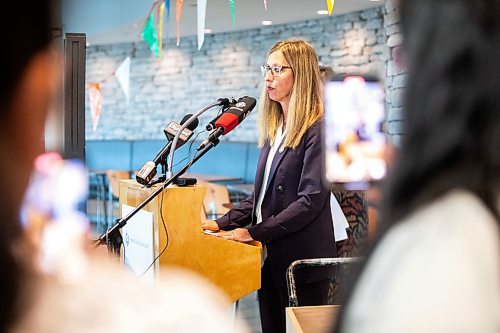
x: 233, y: 266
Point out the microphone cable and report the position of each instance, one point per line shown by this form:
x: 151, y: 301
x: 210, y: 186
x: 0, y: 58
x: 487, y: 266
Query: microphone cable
x: 167, y: 241
x: 190, y: 148
x: 221, y: 111
x: 161, y: 211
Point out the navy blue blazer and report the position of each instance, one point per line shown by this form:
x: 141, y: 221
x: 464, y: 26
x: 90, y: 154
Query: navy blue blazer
x: 297, y: 222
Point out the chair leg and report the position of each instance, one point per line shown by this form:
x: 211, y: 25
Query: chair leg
x: 110, y: 207
x: 102, y: 219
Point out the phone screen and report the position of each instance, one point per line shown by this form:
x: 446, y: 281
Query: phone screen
x: 354, y: 139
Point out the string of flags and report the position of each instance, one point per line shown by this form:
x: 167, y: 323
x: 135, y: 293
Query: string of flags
x: 329, y: 5
x: 122, y: 72
x: 152, y: 34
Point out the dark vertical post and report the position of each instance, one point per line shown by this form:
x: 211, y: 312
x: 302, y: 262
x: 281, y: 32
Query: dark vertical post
x: 74, y: 96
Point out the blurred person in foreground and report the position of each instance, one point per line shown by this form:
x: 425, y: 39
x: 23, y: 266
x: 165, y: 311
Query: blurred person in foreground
x: 289, y: 209
x: 437, y: 266
x: 68, y: 293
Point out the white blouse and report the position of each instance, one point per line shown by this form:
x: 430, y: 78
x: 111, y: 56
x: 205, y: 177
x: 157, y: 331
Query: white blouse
x: 274, y: 148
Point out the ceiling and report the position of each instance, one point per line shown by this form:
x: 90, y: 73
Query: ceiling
x: 117, y: 21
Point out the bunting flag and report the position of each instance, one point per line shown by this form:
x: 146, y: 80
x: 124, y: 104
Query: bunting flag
x: 231, y: 6
x: 149, y: 35
x: 178, y: 19
x: 122, y: 74
x: 330, y: 4
x: 202, y: 12
x: 95, y: 97
x: 167, y: 15
x: 161, y: 18
x: 265, y: 4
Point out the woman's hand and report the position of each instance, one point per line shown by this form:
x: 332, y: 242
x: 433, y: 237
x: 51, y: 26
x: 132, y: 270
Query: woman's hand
x: 237, y: 235
x: 210, y: 225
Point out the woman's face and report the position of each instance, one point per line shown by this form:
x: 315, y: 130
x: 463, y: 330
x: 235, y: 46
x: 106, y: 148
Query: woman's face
x: 279, y: 86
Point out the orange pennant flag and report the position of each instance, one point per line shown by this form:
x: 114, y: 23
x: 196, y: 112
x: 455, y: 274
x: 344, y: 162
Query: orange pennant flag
x: 95, y: 97
x: 178, y: 18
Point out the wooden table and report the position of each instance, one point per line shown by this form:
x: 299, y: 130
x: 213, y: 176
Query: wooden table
x: 310, y: 319
x: 211, y: 178
x: 243, y: 188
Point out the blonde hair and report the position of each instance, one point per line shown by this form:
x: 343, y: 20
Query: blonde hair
x: 306, y: 105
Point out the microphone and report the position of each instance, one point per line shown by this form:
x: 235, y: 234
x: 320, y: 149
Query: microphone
x: 148, y: 170
x: 228, y: 120
x: 172, y: 128
x: 226, y: 103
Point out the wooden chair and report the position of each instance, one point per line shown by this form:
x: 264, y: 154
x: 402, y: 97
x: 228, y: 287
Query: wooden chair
x: 114, y: 177
x: 355, y: 208
x: 216, y: 202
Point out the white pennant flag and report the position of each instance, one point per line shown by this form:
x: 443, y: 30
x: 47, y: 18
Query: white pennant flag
x: 202, y: 11
x: 122, y: 74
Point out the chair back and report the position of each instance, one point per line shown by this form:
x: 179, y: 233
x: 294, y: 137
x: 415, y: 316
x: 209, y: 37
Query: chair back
x: 114, y: 177
x: 336, y: 279
x: 216, y: 202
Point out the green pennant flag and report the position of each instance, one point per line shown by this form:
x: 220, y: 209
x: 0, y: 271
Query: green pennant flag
x: 149, y: 35
x: 231, y: 6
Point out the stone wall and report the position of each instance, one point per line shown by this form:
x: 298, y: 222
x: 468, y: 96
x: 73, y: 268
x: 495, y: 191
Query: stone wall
x: 185, y: 79
x: 395, y: 73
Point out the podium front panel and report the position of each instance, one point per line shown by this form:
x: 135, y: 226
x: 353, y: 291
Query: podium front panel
x: 232, y: 266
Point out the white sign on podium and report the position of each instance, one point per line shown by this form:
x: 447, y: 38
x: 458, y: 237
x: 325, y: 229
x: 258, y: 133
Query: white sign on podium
x: 138, y: 250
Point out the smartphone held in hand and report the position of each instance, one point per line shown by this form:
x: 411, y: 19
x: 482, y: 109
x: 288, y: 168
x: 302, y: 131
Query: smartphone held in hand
x: 354, y: 139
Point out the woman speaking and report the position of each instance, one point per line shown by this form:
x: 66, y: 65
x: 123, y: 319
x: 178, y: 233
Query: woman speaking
x: 289, y: 210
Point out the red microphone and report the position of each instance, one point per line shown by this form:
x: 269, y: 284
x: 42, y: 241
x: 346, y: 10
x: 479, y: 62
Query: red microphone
x: 230, y: 119
x: 227, y: 121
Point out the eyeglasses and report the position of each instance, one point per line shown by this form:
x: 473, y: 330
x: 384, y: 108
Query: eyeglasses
x: 275, y: 70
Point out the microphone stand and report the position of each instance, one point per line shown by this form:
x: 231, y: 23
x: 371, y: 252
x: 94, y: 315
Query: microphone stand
x: 170, y: 161
x: 112, y: 236
x: 161, y: 178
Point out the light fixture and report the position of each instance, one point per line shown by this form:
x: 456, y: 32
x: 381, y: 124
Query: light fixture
x: 208, y: 31
x: 322, y: 12
x: 267, y: 22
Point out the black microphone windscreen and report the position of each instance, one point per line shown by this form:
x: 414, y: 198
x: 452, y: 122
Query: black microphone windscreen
x: 194, y: 124
x: 249, y: 101
x: 191, y: 126
x: 241, y: 109
x: 185, y: 118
